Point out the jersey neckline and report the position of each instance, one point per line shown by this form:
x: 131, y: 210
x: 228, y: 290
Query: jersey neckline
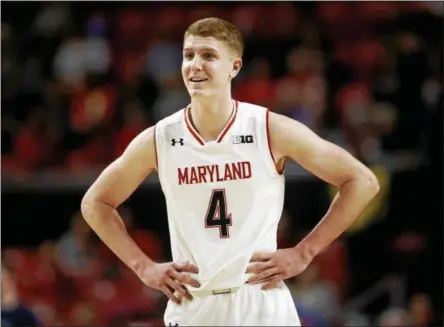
x: 224, y: 131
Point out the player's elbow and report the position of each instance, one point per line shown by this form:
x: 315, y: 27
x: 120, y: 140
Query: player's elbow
x: 87, y: 207
x: 94, y: 205
x: 369, y: 183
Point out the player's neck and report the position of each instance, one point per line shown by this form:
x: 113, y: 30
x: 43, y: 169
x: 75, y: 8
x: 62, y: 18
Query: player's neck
x: 210, y: 116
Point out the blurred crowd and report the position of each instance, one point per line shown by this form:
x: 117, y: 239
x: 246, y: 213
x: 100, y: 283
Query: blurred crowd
x: 78, y: 281
x: 79, y: 81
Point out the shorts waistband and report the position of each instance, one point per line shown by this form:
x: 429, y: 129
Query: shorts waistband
x: 219, y: 291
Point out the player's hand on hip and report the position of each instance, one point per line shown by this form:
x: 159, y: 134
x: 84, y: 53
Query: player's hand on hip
x: 273, y: 267
x: 170, y: 278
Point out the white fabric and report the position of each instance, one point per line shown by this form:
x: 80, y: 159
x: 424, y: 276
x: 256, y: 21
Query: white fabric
x: 249, y: 306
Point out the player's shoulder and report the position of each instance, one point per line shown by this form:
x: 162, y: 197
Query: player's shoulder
x: 171, y: 120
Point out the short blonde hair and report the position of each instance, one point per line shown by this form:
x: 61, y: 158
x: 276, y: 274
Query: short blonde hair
x: 219, y: 29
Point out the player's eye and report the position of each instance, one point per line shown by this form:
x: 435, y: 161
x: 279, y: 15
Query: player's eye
x: 188, y: 56
x: 209, y: 55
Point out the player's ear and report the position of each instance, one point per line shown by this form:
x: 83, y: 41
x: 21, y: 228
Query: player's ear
x: 237, y: 65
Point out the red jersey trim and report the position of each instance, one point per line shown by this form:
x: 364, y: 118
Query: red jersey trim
x: 269, y: 143
x: 230, y: 122
x: 191, y: 128
x: 221, y: 135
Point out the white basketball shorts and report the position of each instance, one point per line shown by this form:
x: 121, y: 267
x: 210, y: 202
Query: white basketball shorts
x: 248, y: 306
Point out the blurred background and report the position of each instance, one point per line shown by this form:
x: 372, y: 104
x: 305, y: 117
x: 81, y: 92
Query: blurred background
x: 80, y: 80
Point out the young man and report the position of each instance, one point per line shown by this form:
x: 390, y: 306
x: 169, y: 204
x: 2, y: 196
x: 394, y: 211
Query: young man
x: 220, y: 165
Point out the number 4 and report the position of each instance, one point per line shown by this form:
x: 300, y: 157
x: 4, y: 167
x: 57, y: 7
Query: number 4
x: 217, y: 213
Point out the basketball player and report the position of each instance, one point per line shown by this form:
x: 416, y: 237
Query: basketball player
x: 220, y: 165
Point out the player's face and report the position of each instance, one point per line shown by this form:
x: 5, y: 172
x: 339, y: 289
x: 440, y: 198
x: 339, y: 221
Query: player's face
x: 208, y: 66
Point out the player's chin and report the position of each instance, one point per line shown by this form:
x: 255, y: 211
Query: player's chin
x: 199, y: 92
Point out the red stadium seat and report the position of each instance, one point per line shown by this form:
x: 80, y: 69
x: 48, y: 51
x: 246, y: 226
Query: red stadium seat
x: 376, y: 10
x: 32, y: 273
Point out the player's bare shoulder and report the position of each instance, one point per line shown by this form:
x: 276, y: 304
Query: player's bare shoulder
x: 141, y: 151
x: 122, y: 177
x: 324, y: 159
x: 288, y: 136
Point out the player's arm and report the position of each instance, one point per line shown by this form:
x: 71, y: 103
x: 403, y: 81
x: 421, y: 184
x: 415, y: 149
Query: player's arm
x: 357, y: 185
x: 114, y: 185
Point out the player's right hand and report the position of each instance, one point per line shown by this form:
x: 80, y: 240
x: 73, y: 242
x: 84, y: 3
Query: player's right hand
x: 170, y: 278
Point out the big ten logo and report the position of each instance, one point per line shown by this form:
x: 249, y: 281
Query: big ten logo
x: 238, y: 139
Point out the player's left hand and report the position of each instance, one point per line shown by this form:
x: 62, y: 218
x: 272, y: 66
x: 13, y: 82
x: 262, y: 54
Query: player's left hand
x: 272, y: 268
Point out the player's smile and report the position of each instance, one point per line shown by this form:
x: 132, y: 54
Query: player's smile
x: 198, y: 80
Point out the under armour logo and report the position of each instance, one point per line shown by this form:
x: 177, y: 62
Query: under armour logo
x: 171, y: 324
x: 173, y: 142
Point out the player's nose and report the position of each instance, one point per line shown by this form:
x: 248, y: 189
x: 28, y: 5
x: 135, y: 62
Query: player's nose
x: 196, y: 64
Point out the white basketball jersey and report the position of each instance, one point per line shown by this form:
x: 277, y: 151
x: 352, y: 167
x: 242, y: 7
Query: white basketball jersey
x: 224, y: 198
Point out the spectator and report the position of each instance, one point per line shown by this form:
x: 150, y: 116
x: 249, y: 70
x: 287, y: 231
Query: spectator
x: 77, y: 56
x: 172, y: 97
x: 394, y: 317
x: 258, y: 86
x: 420, y: 309
x: 14, y: 313
x: 163, y: 59
x: 301, y: 93
x: 134, y: 122
x: 315, y: 298
x: 74, y: 252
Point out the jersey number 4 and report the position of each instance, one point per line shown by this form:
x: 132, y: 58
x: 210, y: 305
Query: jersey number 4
x: 217, y: 215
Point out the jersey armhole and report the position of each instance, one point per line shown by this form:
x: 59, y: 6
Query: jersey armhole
x: 267, y: 127
x: 155, y: 148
